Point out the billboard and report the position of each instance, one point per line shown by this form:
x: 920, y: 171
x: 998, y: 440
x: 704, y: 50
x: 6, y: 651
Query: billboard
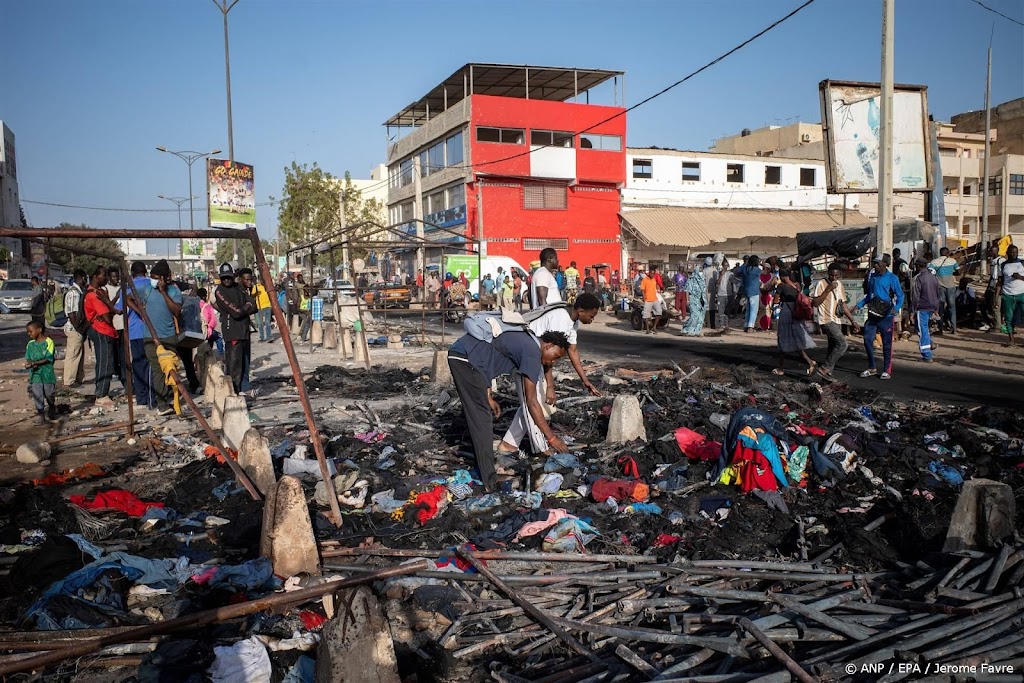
x: 470, y: 265
x: 851, y: 117
x: 231, y: 194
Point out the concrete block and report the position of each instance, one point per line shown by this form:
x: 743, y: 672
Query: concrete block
x: 33, y: 453
x: 296, y: 325
x: 236, y: 421
x: 361, y: 349
x: 287, y: 539
x: 222, y: 390
x: 983, y: 517
x: 357, y: 646
x: 330, y: 335
x: 395, y: 341
x: 627, y: 421
x: 345, y: 348
x: 316, y: 331
x: 254, y: 457
x: 440, y: 373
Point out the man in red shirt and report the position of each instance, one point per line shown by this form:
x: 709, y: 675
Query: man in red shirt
x: 657, y: 278
x: 99, y: 316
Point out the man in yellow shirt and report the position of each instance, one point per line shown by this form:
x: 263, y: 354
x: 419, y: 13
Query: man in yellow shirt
x: 653, y: 304
x: 264, y: 314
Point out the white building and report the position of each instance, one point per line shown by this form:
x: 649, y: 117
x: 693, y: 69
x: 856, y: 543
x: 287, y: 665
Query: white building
x: 10, y: 205
x: 681, y: 205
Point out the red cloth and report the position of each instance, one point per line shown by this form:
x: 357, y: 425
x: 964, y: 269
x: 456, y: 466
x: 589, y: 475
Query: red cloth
x: 117, y: 499
x: 603, y: 489
x: 665, y: 539
x: 629, y: 467
x: 755, y: 472
x: 696, y: 446
x: 429, y: 503
x: 89, y: 470
x: 212, y: 452
x: 311, y: 620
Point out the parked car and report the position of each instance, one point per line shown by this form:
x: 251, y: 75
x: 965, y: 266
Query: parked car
x: 388, y: 296
x: 17, y: 295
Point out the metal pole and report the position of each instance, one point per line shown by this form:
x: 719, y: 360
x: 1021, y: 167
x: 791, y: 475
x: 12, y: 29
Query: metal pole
x: 985, y: 171
x: 191, y: 216
x: 885, y: 156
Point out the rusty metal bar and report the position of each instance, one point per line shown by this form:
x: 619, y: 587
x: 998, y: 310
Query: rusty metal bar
x: 491, y: 555
x: 791, y: 665
x: 114, y: 233
x: 89, y: 432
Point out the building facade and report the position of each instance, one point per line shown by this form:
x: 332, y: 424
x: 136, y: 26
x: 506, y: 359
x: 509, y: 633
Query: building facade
x: 511, y: 160
x: 15, y: 264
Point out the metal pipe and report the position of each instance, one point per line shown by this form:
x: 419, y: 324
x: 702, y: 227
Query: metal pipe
x: 755, y: 564
x: 782, y: 576
x: 491, y: 555
x: 203, y: 618
x: 90, y: 432
x: 114, y: 233
x: 997, y: 568
x: 847, y: 629
x: 791, y: 665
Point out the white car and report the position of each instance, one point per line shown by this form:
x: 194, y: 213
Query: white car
x: 16, y: 295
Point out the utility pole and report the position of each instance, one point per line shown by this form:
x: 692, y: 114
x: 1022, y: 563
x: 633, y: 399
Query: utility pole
x: 224, y: 6
x: 985, y: 166
x: 883, y: 238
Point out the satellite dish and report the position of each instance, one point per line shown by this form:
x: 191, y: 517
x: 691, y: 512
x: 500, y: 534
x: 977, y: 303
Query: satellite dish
x: 358, y: 265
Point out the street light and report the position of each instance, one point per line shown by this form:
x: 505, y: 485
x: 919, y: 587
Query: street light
x: 178, y: 201
x: 189, y: 157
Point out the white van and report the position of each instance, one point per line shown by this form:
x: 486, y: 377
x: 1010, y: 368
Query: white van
x: 488, y: 264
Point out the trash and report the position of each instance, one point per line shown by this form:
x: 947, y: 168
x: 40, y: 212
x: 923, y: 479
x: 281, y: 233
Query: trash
x: 116, y: 499
x: 697, y: 446
x: 642, y: 509
x: 947, y: 473
x: 246, y: 661
x: 549, y: 482
x: 602, y: 489
x: 570, y: 535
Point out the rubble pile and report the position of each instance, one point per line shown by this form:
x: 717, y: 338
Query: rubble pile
x: 744, y: 529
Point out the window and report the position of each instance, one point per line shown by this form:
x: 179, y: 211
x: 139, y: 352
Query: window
x: 946, y: 152
x: 507, y: 136
x: 393, y: 176
x: 435, y: 157
x: 453, y: 149
x: 435, y: 202
x: 807, y: 177
x: 605, y: 143
x: 551, y: 138
x: 995, y: 185
x: 456, y: 196
x: 967, y: 190
x: 405, y: 173
x: 772, y: 175
x: 544, y: 196
x: 734, y: 173
x: 691, y: 171
x: 424, y: 165
x: 1017, y: 183
x: 643, y: 168
x: 538, y: 243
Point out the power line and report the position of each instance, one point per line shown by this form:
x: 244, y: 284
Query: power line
x: 121, y: 209
x: 993, y: 11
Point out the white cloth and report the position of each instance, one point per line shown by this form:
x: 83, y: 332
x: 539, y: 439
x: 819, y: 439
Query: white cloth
x: 113, y: 292
x: 522, y: 422
x: 557, y: 320
x: 246, y: 661
x: 826, y: 312
x: 1011, y: 286
x: 542, y: 277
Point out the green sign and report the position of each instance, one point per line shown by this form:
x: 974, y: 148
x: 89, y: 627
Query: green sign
x: 470, y: 265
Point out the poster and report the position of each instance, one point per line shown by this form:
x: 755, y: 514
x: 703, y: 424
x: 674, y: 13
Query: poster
x: 470, y: 265
x: 851, y: 116
x: 231, y: 194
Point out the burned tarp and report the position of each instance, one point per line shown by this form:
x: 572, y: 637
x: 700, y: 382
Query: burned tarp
x: 854, y: 241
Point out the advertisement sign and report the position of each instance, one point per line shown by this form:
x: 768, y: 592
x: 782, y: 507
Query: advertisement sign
x: 851, y: 119
x: 231, y: 194
x: 470, y: 265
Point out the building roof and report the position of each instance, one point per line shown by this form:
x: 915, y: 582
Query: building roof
x: 685, y: 227
x: 502, y: 80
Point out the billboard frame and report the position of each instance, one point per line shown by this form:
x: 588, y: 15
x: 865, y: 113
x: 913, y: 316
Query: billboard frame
x: 211, y: 206
x: 828, y: 136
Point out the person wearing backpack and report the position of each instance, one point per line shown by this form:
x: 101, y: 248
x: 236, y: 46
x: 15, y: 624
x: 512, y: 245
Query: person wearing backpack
x: 75, y: 329
x: 794, y: 314
x: 475, y: 363
x: 162, y: 304
x: 883, y: 297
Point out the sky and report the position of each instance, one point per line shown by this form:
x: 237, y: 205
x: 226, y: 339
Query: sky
x: 91, y: 88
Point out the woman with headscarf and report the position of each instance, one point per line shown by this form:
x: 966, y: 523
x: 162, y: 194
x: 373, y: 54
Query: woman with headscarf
x: 768, y: 284
x: 793, y: 336
x: 697, y: 291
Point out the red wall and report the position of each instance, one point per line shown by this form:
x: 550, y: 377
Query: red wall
x: 590, y: 222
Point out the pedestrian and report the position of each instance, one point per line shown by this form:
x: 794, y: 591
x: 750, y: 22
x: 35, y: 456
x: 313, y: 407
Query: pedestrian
x: 654, y: 307
x: 457, y: 294
x: 883, y: 297
x: 211, y: 322
x: 1011, y: 289
x: 710, y: 273
x: 114, y: 293
x: 946, y: 268
x: 74, y: 331
x: 99, y: 313
x: 926, y: 299
x: 543, y: 286
x: 517, y: 291
x: 829, y: 300
x: 236, y: 308
x: 246, y: 281
x: 993, y: 305
x: 589, y: 282
x: 475, y: 364
x: 750, y: 280
x: 433, y: 289
x: 142, y: 383
x: 293, y: 290
x: 696, y: 292
x: 42, y: 380
x: 38, y: 306
x: 682, y: 298
x: 264, y: 312
x: 615, y: 283
x: 508, y: 289
x: 566, y: 320
x: 966, y: 303
x: 162, y: 304
x: 724, y: 294
x: 769, y: 280
x: 572, y: 282
x: 902, y: 270
x: 792, y: 335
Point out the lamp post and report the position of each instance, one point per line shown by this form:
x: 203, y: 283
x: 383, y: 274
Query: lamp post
x: 189, y: 157
x: 178, y: 201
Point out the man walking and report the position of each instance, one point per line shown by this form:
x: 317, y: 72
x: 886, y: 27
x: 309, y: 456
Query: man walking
x: 883, y: 298
x: 993, y: 306
x: 236, y: 308
x: 724, y: 294
x: 829, y: 298
x: 141, y: 375
x: 264, y: 312
x: 926, y: 298
x: 750, y: 279
x: 653, y: 305
x: 946, y: 268
x: 1011, y: 289
x: 113, y: 288
x: 543, y: 286
x: 75, y: 329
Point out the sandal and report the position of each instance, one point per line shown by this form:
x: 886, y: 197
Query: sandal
x: 778, y: 371
x: 811, y: 368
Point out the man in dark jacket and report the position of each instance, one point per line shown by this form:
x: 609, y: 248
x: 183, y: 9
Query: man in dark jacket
x: 235, y: 306
x: 926, y: 299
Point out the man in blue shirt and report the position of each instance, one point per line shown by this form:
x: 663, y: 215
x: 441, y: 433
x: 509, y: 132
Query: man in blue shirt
x: 487, y: 292
x: 162, y: 303
x: 141, y: 374
x: 750, y: 286
x: 946, y: 268
x: 883, y: 297
x: 474, y: 363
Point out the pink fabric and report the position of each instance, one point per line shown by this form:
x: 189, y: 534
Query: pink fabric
x: 534, y: 528
x: 210, y: 317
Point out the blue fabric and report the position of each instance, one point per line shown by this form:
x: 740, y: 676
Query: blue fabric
x: 156, y: 307
x: 696, y: 288
x: 87, y: 547
x: 303, y: 671
x: 754, y: 418
x: 926, y: 334
x: 768, y: 447
x: 753, y: 302
x: 947, y: 473
x: 881, y: 326
x: 71, y: 585
x: 253, y: 575
x: 885, y: 287
x: 156, y: 573
x: 137, y: 328
x: 751, y: 277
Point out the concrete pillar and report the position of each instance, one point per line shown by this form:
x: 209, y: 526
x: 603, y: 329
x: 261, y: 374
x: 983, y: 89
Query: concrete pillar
x: 395, y: 341
x: 214, y: 371
x: 222, y: 389
x: 330, y: 335
x: 254, y: 457
x: 441, y: 373
x: 357, y: 646
x: 361, y: 349
x: 236, y: 421
x: 627, y: 421
x: 346, y: 343
x: 296, y: 325
x: 287, y: 539
x: 316, y: 330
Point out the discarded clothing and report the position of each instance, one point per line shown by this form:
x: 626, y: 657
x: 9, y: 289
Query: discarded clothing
x: 663, y: 540
x: 570, y: 535
x: 480, y: 504
x: 176, y: 661
x: 246, y: 661
x: 156, y: 573
x: 696, y: 446
x: 303, y: 671
x: 89, y: 470
x: 549, y: 482
x: 507, y: 529
x: 628, y: 466
x: 228, y: 488
x: 254, y: 575
x: 312, y: 621
x: 642, y: 509
x: 86, y: 547
x: 533, y: 528
x: 773, y: 499
x: 796, y: 463
x: 385, y: 502
x: 116, y: 499
x: 430, y: 503
x: 947, y: 473
x: 308, y: 468
x: 603, y: 489
x: 562, y: 461
x: 56, y: 558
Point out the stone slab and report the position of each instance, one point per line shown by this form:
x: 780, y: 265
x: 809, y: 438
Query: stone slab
x: 983, y: 517
x: 627, y: 421
x: 235, y: 421
x: 254, y: 457
x: 356, y: 645
x: 287, y: 539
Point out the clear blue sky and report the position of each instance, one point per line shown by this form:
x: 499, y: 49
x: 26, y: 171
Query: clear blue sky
x: 90, y: 88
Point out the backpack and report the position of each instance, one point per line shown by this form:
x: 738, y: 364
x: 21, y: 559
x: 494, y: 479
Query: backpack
x: 77, y: 316
x: 53, y: 314
x: 804, y: 307
x: 486, y: 325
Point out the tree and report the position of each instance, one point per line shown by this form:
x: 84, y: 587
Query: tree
x: 246, y: 257
x: 311, y: 205
x: 72, y: 261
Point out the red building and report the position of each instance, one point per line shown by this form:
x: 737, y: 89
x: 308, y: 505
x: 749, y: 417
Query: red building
x: 514, y: 157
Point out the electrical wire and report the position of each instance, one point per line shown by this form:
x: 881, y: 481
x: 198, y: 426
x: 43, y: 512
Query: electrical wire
x: 993, y: 11
x: 121, y: 209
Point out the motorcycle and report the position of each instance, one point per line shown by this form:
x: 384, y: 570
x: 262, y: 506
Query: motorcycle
x: 454, y: 312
